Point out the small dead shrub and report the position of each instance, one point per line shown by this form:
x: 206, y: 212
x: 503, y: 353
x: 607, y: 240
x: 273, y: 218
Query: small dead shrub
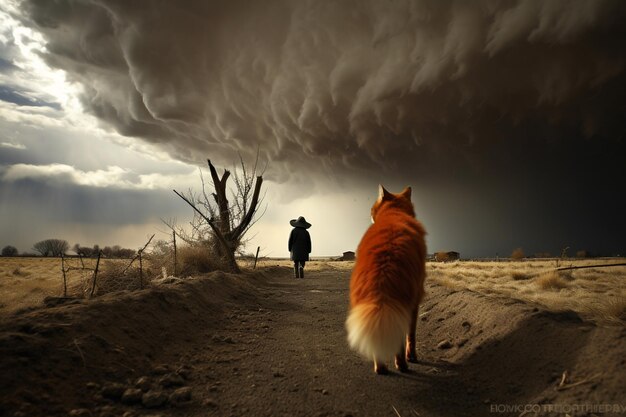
x: 551, y: 281
x: 114, y: 276
x: 190, y: 260
x: 197, y: 260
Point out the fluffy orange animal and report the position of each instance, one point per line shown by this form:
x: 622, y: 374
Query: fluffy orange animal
x: 387, y: 283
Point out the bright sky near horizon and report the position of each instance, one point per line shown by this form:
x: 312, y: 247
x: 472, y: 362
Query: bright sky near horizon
x: 506, y: 118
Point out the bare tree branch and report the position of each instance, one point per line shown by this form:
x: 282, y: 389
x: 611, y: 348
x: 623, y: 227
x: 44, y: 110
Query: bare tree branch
x: 193, y: 206
x: 220, y: 195
x: 139, y: 252
x: 238, y: 232
x: 216, y: 230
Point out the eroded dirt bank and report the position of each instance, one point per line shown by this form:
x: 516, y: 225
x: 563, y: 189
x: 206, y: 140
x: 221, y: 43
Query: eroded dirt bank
x: 266, y: 344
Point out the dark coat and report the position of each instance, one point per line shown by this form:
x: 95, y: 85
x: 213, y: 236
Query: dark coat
x: 299, y: 244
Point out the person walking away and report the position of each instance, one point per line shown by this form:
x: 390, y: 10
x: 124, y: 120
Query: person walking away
x: 299, y: 245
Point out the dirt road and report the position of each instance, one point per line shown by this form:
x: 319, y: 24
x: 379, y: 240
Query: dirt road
x: 271, y: 345
x: 291, y: 359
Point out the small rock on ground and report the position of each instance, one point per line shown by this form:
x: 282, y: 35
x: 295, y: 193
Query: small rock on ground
x: 132, y: 396
x: 444, y: 345
x: 153, y: 399
x: 80, y: 412
x: 143, y: 383
x: 113, y: 391
x: 181, y: 395
x: 171, y: 380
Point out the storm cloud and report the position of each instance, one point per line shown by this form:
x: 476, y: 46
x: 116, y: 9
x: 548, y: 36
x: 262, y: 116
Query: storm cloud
x: 344, y: 86
x: 506, y: 117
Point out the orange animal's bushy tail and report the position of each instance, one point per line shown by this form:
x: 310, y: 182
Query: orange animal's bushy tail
x: 377, y: 331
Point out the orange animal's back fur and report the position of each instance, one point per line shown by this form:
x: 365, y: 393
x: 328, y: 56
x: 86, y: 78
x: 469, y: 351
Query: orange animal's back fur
x: 387, y: 282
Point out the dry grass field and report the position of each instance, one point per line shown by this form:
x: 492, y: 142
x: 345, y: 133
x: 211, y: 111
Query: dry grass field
x: 597, y: 294
x: 25, y: 282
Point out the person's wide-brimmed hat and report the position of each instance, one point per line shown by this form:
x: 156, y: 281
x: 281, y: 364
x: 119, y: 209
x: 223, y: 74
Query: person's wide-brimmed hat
x: 301, y: 222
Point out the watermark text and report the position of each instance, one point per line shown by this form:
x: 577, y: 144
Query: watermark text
x: 558, y: 408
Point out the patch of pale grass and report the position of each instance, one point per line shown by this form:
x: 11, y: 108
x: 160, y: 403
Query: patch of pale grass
x: 603, y: 287
x: 470, y: 274
x: 490, y: 291
x: 614, y: 309
x: 449, y: 283
x: 479, y: 266
x: 509, y: 288
x: 591, y: 276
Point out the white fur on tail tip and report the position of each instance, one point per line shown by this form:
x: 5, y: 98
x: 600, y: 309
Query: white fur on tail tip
x: 377, y: 331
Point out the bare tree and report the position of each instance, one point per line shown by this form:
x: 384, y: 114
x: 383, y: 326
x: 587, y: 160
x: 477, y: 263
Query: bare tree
x: 9, y: 250
x: 227, y: 221
x: 51, y: 247
x: 83, y: 251
x: 42, y: 247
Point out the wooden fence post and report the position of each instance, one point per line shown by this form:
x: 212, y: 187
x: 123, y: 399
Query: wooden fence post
x: 140, y: 270
x: 64, y: 276
x: 256, y: 257
x: 95, y: 275
x: 174, y: 237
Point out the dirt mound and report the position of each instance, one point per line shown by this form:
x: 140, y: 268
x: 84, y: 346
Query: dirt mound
x: 269, y: 345
x: 504, y: 356
x: 73, y: 353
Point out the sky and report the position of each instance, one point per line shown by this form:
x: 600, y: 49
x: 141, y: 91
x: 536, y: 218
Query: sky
x: 507, y: 118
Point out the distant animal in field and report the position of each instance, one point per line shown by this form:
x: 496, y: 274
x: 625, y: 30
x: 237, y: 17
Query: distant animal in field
x: 387, y: 283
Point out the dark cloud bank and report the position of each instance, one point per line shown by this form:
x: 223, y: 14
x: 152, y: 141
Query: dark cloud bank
x: 511, y: 112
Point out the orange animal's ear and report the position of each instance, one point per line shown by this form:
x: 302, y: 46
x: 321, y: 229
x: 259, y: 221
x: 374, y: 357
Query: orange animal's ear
x: 406, y: 193
x: 382, y: 193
